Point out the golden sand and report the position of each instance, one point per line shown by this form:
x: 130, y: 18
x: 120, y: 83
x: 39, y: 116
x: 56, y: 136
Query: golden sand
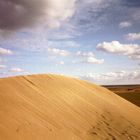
x: 52, y: 107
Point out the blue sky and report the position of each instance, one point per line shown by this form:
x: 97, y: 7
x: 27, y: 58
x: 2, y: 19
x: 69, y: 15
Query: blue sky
x: 95, y: 40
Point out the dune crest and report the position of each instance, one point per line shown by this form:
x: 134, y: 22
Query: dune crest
x: 52, y: 107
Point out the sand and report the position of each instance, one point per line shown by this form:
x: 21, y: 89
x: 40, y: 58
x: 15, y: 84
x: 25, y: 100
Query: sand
x: 128, y: 92
x: 52, y: 107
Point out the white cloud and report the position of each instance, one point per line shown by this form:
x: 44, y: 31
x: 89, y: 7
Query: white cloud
x: 125, y: 24
x: 58, y: 11
x: 2, y: 66
x: 40, y: 43
x: 5, y: 51
x: 133, y: 36
x: 89, y: 57
x: 130, y: 50
x: 94, y: 60
x: 16, y: 70
x: 119, y: 77
x: 55, y: 51
x: 85, y: 54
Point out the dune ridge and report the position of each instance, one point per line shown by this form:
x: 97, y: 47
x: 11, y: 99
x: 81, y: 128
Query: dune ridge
x: 53, y: 107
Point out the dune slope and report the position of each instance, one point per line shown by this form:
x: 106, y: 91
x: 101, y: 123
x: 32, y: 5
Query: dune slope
x: 52, y: 107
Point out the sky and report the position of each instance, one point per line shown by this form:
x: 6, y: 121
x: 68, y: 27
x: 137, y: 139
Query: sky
x: 94, y: 40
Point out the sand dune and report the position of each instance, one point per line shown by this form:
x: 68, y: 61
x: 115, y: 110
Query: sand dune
x: 128, y: 92
x: 52, y: 107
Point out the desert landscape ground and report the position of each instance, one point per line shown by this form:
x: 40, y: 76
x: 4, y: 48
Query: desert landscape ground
x: 128, y: 92
x: 53, y: 107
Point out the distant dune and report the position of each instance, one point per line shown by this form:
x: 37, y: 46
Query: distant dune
x: 52, y: 107
x: 128, y: 92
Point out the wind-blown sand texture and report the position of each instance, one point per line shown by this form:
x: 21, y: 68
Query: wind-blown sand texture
x: 52, y: 107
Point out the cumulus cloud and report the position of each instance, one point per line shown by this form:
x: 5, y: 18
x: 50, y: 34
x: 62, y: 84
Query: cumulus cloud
x: 95, y: 60
x: 89, y: 57
x: 2, y: 66
x: 130, y: 50
x: 114, y: 77
x: 55, y: 51
x: 20, y: 14
x: 133, y: 36
x: 5, y: 51
x: 125, y: 24
x: 16, y: 70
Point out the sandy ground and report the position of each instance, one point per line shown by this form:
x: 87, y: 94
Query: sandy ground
x: 51, y: 107
x: 128, y: 92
